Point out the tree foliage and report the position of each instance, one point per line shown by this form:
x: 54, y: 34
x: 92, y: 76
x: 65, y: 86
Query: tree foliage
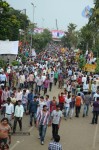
x: 97, y: 68
x: 41, y: 40
x: 71, y: 36
x: 11, y: 21
x: 81, y: 62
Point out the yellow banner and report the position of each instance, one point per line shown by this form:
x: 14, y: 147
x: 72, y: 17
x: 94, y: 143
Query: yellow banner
x: 90, y: 67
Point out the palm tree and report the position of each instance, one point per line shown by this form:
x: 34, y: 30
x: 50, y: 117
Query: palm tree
x: 71, y: 27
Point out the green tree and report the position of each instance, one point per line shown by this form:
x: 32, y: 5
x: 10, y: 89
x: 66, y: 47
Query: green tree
x: 71, y: 36
x: 94, y: 22
x: 95, y: 15
x: 41, y: 40
x: 97, y: 68
x: 11, y: 21
x: 81, y: 62
x: 86, y: 37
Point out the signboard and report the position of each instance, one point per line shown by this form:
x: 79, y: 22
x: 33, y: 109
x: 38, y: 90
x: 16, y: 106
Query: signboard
x: 58, y: 34
x: 90, y: 67
x: 38, y: 30
x: 9, y: 47
x: 63, y: 50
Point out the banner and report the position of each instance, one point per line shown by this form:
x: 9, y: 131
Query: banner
x: 33, y: 53
x: 87, y: 12
x: 9, y: 47
x: 90, y: 67
x: 57, y: 34
x: 38, y: 30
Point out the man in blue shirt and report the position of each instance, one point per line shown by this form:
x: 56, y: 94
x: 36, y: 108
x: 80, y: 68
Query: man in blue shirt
x: 33, y: 110
x: 30, y: 97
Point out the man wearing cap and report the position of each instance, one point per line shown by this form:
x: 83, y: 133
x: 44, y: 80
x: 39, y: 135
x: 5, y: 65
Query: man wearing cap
x: 56, y: 120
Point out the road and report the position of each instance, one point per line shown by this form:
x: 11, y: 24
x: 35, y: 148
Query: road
x: 76, y: 134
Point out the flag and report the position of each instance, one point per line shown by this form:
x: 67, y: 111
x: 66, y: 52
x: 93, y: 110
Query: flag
x: 87, y: 12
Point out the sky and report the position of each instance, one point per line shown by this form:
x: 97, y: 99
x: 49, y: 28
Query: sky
x: 47, y: 11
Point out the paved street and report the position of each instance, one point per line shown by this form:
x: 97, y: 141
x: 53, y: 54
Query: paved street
x: 76, y: 134
x: 46, y: 42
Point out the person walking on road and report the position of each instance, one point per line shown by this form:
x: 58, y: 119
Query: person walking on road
x: 87, y: 101
x: 33, y: 110
x: 42, y: 122
x: 18, y: 114
x: 95, y: 111
x: 9, y: 110
x: 55, y: 121
x: 55, y: 77
x: 5, y: 132
x: 61, y: 100
x: 55, y: 145
x: 46, y: 84
x: 51, y: 82
x: 67, y: 105
x: 78, y: 104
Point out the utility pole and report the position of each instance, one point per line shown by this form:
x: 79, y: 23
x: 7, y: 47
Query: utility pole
x: 32, y: 30
x: 56, y: 24
x: 43, y: 23
x: 24, y: 27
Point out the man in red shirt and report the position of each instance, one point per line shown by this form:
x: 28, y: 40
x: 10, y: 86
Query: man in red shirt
x: 61, y: 100
x: 79, y: 80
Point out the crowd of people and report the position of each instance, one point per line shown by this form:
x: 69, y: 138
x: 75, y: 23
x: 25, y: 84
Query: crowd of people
x: 24, y: 91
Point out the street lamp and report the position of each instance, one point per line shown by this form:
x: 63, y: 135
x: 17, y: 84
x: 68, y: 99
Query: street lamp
x: 24, y: 12
x: 32, y: 31
x: 33, y: 10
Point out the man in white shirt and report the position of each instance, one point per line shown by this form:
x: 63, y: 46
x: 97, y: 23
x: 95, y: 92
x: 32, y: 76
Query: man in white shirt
x: 41, y: 104
x: 74, y: 77
x: 96, y: 95
x: 47, y: 101
x: 93, y: 88
x: 21, y: 80
x: 9, y: 110
x: 18, y: 114
x: 67, y: 105
x: 31, y: 79
x: 19, y: 95
x: 56, y: 120
x: 3, y: 78
x: 43, y: 77
x: 84, y: 79
x: 35, y: 72
x: 85, y: 87
x: 39, y: 83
